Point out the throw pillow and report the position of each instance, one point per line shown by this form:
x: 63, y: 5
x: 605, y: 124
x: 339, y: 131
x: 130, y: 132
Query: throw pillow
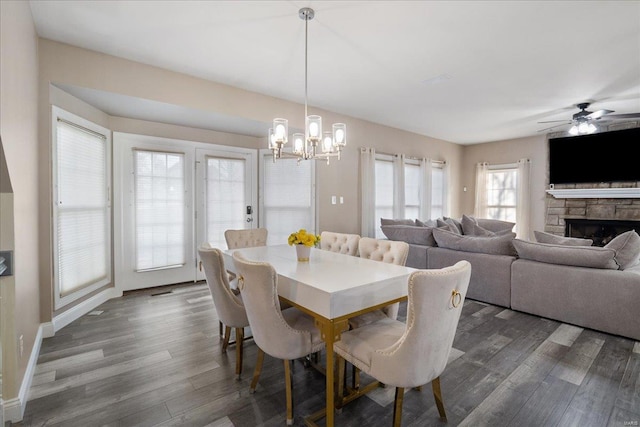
x: 448, y: 224
x: 413, y: 234
x: 500, y: 244
x: 495, y: 225
x: 627, y: 248
x: 427, y: 223
x: 386, y: 221
x: 470, y: 227
x: 455, y: 222
x: 542, y: 237
x: 579, y: 256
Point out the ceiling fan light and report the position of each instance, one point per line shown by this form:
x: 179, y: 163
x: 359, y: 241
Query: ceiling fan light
x: 583, y: 127
x: 592, y: 128
x: 574, y: 130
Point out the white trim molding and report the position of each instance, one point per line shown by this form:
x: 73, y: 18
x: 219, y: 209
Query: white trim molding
x: 74, y: 313
x: 595, y: 193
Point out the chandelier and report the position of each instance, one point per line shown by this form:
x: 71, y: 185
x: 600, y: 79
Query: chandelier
x: 314, y: 144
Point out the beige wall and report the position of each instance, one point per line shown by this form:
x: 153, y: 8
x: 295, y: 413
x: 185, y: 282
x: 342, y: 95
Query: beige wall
x: 60, y: 63
x: 534, y: 148
x: 19, y: 127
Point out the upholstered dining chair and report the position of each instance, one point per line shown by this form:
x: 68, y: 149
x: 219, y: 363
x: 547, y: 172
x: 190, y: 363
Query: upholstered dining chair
x: 416, y: 353
x: 339, y: 242
x: 228, y: 304
x: 392, y: 252
x: 248, y: 238
x: 284, y: 334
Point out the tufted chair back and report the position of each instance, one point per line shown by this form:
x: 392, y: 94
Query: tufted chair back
x: 339, y: 242
x: 414, y: 353
x: 246, y: 238
x: 389, y: 251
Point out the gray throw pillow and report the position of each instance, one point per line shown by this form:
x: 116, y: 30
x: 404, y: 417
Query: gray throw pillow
x: 470, y: 227
x: 495, y: 225
x: 413, y: 234
x: 579, y: 256
x: 500, y: 244
x: 627, y: 248
x: 456, y: 222
x: 427, y: 223
x: 448, y: 224
x: 542, y: 237
x: 387, y: 221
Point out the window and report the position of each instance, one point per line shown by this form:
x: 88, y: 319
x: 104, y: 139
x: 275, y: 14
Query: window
x: 159, y: 209
x: 388, y: 181
x: 503, y: 192
x: 287, y: 197
x: 81, y: 209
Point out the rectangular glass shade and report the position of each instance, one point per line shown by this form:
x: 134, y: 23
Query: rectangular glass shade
x: 298, y: 143
x: 327, y: 142
x: 314, y: 128
x: 339, y: 135
x: 281, y: 130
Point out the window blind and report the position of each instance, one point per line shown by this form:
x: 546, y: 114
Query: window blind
x: 287, y: 201
x: 437, y: 192
x: 81, y: 207
x: 159, y: 209
x: 384, y: 193
x: 225, y: 205
x: 412, y: 186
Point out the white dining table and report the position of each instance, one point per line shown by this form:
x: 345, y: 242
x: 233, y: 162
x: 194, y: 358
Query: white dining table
x: 332, y: 288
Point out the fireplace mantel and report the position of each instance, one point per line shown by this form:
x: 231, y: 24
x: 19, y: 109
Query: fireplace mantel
x: 595, y: 193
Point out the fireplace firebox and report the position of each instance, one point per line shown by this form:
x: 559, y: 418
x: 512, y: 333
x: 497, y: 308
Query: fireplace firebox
x: 601, y: 231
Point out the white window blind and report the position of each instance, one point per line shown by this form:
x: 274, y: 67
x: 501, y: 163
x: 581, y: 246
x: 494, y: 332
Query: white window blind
x: 287, y: 198
x: 412, y: 189
x: 159, y: 210
x: 225, y: 198
x: 437, y: 191
x: 82, y: 211
x: 384, y: 192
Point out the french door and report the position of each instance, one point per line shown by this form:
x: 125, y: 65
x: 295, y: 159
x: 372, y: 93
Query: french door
x: 172, y: 196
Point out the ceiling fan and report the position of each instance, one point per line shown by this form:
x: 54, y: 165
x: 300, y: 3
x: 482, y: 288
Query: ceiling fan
x: 583, y: 120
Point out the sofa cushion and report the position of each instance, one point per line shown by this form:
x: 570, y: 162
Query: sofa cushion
x: 413, y: 234
x: 580, y: 256
x: 500, y: 244
x: 542, y: 237
x: 627, y: 248
x: 388, y: 221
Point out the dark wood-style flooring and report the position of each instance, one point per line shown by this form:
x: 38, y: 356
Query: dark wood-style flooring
x: 156, y: 360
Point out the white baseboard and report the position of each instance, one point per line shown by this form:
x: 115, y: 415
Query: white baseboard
x: 14, y: 408
x: 76, y: 312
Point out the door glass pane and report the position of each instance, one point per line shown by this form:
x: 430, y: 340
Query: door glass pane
x: 226, y: 199
x: 159, y: 210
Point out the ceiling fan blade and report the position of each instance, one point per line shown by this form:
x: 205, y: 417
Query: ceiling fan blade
x: 624, y: 116
x: 554, y: 121
x: 598, y: 114
x: 553, y: 127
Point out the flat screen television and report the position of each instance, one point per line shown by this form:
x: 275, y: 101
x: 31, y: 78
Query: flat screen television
x: 599, y: 157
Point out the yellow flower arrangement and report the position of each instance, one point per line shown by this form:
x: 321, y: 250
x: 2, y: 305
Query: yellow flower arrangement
x: 303, y: 238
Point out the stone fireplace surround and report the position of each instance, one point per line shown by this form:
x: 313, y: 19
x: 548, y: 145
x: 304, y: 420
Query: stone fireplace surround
x: 561, y: 207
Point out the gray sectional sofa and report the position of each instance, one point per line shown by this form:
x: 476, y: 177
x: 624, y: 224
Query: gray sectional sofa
x: 554, y: 277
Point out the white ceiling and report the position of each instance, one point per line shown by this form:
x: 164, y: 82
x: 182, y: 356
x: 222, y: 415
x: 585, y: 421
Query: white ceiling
x: 461, y: 71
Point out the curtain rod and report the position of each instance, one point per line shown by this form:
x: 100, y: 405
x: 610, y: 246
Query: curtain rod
x: 443, y: 162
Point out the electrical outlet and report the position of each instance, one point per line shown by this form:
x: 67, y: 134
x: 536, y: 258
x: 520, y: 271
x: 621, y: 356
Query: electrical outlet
x: 21, y: 345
